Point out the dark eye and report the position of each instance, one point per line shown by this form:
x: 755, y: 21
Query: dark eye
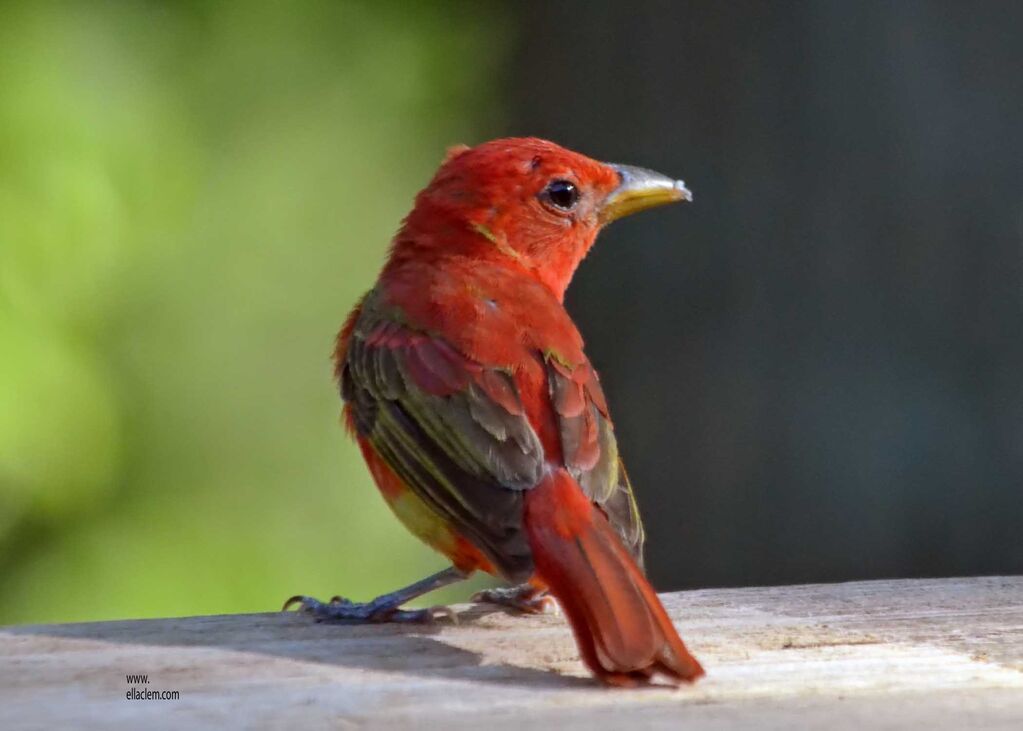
x: 562, y: 194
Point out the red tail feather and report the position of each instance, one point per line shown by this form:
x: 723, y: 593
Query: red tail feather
x: 623, y: 632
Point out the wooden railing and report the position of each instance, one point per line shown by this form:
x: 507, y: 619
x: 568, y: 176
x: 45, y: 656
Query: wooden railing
x: 916, y: 654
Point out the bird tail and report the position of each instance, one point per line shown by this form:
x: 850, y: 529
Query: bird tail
x: 624, y: 634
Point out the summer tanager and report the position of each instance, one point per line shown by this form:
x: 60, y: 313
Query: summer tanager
x: 483, y: 423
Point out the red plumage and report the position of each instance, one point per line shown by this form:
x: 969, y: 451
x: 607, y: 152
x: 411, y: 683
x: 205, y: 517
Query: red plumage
x: 481, y: 418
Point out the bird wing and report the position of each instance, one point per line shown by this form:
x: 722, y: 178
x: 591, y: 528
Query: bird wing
x: 453, y: 430
x: 457, y: 433
x: 590, y: 449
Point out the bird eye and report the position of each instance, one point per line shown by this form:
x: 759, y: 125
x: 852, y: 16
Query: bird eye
x: 562, y: 193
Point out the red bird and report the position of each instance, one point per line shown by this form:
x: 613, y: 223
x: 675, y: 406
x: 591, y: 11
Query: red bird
x: 481, y: 419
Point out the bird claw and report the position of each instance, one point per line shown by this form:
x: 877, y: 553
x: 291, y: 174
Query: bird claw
x: 339, y: 609
x: 524, y: 599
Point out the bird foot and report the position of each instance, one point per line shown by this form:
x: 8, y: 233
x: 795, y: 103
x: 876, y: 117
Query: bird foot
x: 381, y: 609
x: 524, y: 599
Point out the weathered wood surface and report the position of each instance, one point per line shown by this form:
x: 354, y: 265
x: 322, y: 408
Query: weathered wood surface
x: 887, y: 654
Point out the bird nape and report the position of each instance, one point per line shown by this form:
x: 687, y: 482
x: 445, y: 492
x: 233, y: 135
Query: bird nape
x: 480, y: 418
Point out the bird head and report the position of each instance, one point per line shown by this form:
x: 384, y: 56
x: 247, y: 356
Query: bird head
x: 530, y: 203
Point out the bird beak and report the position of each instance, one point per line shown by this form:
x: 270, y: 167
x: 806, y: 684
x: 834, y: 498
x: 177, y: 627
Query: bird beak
x: 638, y: 190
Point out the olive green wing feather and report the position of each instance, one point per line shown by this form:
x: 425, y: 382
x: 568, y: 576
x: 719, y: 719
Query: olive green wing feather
x: 590, y: 450
x: 454, y: 431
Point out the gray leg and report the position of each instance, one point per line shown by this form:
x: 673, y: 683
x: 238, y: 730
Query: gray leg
x: 385, y: 608
x: 524, y: 598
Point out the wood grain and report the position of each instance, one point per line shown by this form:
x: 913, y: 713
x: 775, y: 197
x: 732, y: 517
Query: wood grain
x: 886, y: 654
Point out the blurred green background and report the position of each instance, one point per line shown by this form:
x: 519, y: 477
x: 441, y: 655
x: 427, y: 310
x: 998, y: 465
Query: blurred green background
x: 192, y: 196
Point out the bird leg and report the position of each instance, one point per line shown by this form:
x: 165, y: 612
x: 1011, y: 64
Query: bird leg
x: 524, y: 598
x: 385, y: 608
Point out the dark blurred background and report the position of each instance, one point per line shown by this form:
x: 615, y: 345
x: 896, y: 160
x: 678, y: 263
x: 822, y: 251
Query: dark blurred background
x: 814, y: 369
x: 817, y: 368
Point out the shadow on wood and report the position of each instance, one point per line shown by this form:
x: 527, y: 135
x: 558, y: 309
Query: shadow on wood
x: 397, y: 648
